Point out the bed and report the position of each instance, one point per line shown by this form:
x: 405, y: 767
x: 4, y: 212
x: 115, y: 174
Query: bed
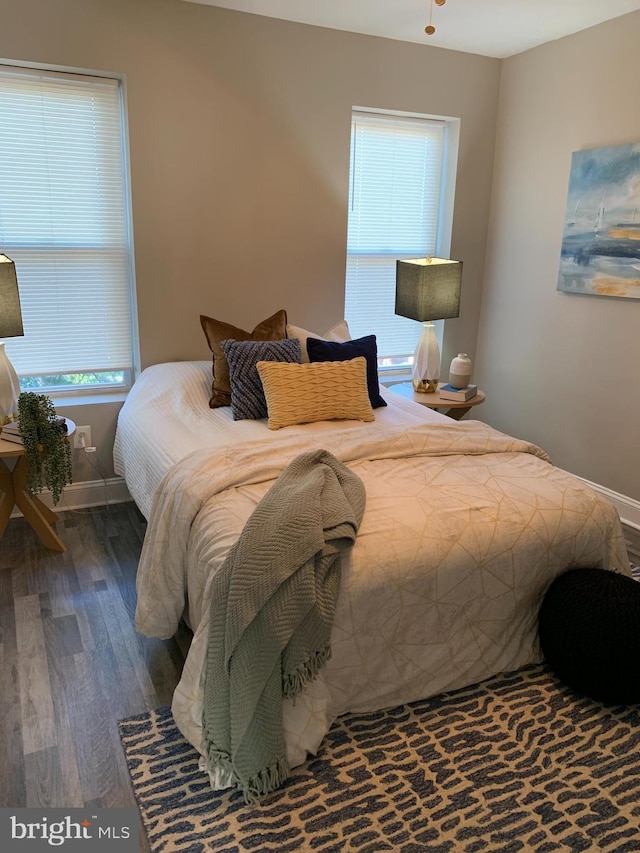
x: 464, y: 529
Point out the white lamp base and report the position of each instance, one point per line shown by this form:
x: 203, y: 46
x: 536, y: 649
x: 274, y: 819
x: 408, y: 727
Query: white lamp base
x: 426, y: 361
x: 9, y: 388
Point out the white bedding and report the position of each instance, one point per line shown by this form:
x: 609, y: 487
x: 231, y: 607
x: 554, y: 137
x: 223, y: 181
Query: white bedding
x: 167, y: 416
x: 463, y: 531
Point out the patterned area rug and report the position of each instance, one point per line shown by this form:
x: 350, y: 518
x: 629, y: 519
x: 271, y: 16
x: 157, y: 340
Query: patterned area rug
x: 517, y: 763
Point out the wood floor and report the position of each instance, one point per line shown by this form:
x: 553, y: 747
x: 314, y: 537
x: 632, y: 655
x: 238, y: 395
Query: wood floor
x: 71, y: 663
x: 633, y: 544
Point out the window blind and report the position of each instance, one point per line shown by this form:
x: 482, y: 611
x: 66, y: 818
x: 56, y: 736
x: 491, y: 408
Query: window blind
x: 64, y: 221
x: 394, y: 204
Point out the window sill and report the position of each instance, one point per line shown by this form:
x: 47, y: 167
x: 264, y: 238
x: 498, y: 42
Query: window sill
x: 90, y: 398
x: 393, y: 378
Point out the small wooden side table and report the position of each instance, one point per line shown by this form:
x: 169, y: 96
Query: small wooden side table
x: 455, y: 409
x: 13, y: 492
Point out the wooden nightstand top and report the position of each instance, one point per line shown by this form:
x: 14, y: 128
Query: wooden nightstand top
x: 10, y: 448
x: 13, y: 448
x: 455, y: 408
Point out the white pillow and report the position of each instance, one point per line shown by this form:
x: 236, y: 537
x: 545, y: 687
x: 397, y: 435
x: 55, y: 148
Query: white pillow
x: 338, y: 333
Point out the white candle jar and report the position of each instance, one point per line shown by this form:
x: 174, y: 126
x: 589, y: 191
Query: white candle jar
x: 460, y: 371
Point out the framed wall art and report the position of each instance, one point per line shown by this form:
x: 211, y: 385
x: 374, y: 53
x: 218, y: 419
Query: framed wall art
x: 601, y: 240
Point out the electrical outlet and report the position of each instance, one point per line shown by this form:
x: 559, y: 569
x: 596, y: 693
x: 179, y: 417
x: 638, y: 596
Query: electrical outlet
x: 82, y: 437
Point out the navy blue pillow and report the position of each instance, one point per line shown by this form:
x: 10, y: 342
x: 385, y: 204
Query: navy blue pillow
x: 331, y: 351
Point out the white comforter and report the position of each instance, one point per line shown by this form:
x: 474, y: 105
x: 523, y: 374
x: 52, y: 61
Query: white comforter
x: 463, y: 531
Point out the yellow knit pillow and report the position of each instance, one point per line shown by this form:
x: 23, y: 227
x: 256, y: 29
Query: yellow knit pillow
x: 320, y: 391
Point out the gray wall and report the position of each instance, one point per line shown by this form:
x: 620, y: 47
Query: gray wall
x: 560, y: 369
x: 239, y: 138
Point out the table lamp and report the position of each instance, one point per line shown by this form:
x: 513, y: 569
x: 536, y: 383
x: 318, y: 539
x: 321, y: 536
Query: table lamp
x: 427, y: 289
x: 10, y: 327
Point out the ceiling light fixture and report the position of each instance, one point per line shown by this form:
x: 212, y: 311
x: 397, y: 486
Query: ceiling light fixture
x: 430, y: 29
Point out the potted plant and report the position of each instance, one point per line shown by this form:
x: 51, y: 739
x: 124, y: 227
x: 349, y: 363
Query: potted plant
x: 47, y: 452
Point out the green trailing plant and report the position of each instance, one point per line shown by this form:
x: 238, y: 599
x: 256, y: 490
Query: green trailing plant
x: 47, y: 453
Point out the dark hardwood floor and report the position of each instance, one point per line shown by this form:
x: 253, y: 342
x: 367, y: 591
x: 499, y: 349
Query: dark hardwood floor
x: 71, y: 663
x: 633, y: 544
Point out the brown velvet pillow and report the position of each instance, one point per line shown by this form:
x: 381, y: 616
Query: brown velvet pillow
x: 272, y: 329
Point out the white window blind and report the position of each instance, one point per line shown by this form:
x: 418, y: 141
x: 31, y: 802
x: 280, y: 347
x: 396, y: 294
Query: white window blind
x: 394, y: 204
x: 64, y: 221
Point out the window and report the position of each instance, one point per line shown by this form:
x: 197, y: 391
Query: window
x: 400, y: 206
x: 64, y: 221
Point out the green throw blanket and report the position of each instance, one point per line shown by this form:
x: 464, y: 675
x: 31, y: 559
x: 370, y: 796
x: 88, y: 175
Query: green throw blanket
x: 272, y: 608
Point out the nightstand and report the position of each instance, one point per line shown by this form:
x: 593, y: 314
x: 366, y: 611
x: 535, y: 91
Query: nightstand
x: 13, y: 492
x: 455, y: 409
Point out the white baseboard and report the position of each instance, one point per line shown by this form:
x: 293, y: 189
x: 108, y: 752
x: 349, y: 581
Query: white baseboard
x: 89, y: 493
x: 628, y: 508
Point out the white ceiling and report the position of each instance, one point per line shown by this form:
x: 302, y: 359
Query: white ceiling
x: 496, y: 28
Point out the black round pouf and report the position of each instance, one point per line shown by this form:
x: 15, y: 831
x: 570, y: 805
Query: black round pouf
x: 589, y: 627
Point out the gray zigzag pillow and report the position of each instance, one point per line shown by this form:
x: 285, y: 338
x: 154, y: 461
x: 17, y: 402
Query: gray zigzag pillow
x: 247, y: 395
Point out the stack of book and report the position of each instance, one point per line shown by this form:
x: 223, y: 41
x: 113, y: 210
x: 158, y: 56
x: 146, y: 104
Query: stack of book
x: 448, y: 392
x: 11, y: 431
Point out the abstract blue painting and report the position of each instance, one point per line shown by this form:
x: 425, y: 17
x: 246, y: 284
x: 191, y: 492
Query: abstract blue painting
x: 601, y: 240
